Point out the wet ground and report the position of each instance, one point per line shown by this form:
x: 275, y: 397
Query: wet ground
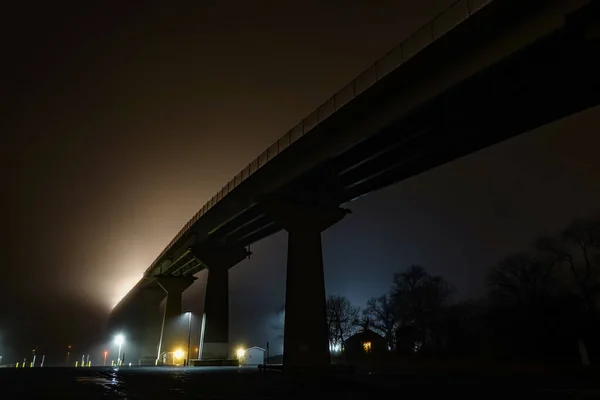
x: 249, y: 383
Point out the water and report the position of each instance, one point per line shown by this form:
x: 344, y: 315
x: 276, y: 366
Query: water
x: 249, y: 383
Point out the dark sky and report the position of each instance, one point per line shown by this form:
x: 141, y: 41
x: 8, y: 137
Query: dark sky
x: 119, y: 122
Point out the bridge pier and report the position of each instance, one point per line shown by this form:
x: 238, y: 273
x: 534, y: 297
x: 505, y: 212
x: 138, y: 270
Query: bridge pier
x: 215, y: 343
x: 215, y: 337
x: 306, y: 336
x: 150, y: 323
x: 172, y: 336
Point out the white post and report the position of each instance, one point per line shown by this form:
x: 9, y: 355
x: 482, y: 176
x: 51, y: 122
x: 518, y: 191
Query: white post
x: 202, y: 336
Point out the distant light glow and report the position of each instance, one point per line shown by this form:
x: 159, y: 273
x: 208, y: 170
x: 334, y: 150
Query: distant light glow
x: 366, y: 347
x: 240, y: 353
x: 122, y: 287
x: 178, y: 354
x: 119, y: 340
x: 335, y: 347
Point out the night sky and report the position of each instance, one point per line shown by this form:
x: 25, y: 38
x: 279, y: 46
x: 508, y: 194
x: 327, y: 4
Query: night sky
x: 119, y: 122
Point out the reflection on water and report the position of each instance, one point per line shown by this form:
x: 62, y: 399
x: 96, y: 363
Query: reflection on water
x: 107, y: 381
x: 247, y: 383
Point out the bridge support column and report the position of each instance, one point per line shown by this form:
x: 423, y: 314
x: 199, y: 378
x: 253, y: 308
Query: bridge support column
x: 149, y: 313
x: 306, y: 336
x: 215, y: 335
x: 172, y: 335
x: 150, y: 335
x: 215, y: 344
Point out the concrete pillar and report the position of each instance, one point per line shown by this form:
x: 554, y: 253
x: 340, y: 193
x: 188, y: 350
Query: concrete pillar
x: 150, y: 336
x: 216, y: 313
x: 173, y: 336
x: 151, y: 323
x: 306, y: 336
x: 215, y: 336
x: 139, y: 321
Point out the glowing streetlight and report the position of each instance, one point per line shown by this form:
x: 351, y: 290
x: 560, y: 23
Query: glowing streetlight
x: 119, y: 340
x: 240, y: 353
x: 105, y: 354
x: 178, y: 354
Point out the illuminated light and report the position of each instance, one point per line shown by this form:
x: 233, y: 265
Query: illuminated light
x: 240, y: 353
x: 417, y: 346
x: 366, y: 347
x: 119, y: 339
x: 335, y: 347
x: 178, y: 354
x: 124, y: 286
x: 76, y: 364
x: 17, y: 365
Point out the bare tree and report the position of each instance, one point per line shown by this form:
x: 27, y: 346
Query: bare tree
x: 419, y: 299
x: 583, y: 238
x: 578, y: 249
x: 342, y: 319
x: 382, y: 318
x: 523, y: 278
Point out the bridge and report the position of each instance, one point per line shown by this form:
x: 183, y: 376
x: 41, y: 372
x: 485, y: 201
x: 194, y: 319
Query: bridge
x: 479, y: 73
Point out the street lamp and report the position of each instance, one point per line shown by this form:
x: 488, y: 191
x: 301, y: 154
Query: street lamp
x: 119, y: 340
x: 189, y: 336
x: 178, y: 354
x: 240, y: 353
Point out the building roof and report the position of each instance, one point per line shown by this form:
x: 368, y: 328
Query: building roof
x: 366, y: 334
x: 255, y: 347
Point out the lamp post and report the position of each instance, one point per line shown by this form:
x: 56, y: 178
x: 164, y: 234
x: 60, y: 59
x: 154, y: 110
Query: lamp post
x: 189, y: 336
x: 119, y: 340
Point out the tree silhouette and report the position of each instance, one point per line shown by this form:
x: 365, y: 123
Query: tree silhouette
x: 578, y: 249
x: 523, y: 278
x: 380, y: 313
x: 342, y: 319
x: 419, y: 300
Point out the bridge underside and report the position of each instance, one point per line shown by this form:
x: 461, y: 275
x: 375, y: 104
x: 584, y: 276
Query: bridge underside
x: 540, y: 83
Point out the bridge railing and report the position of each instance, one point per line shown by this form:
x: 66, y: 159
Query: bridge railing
x: 423, y: 37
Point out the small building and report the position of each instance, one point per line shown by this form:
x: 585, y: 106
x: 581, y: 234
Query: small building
x: 255, y: 356
x: 365, y: 344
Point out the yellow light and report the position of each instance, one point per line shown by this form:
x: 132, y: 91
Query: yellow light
x: 366, y: 346
x: 241, y: 353
x: 178, y: 354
